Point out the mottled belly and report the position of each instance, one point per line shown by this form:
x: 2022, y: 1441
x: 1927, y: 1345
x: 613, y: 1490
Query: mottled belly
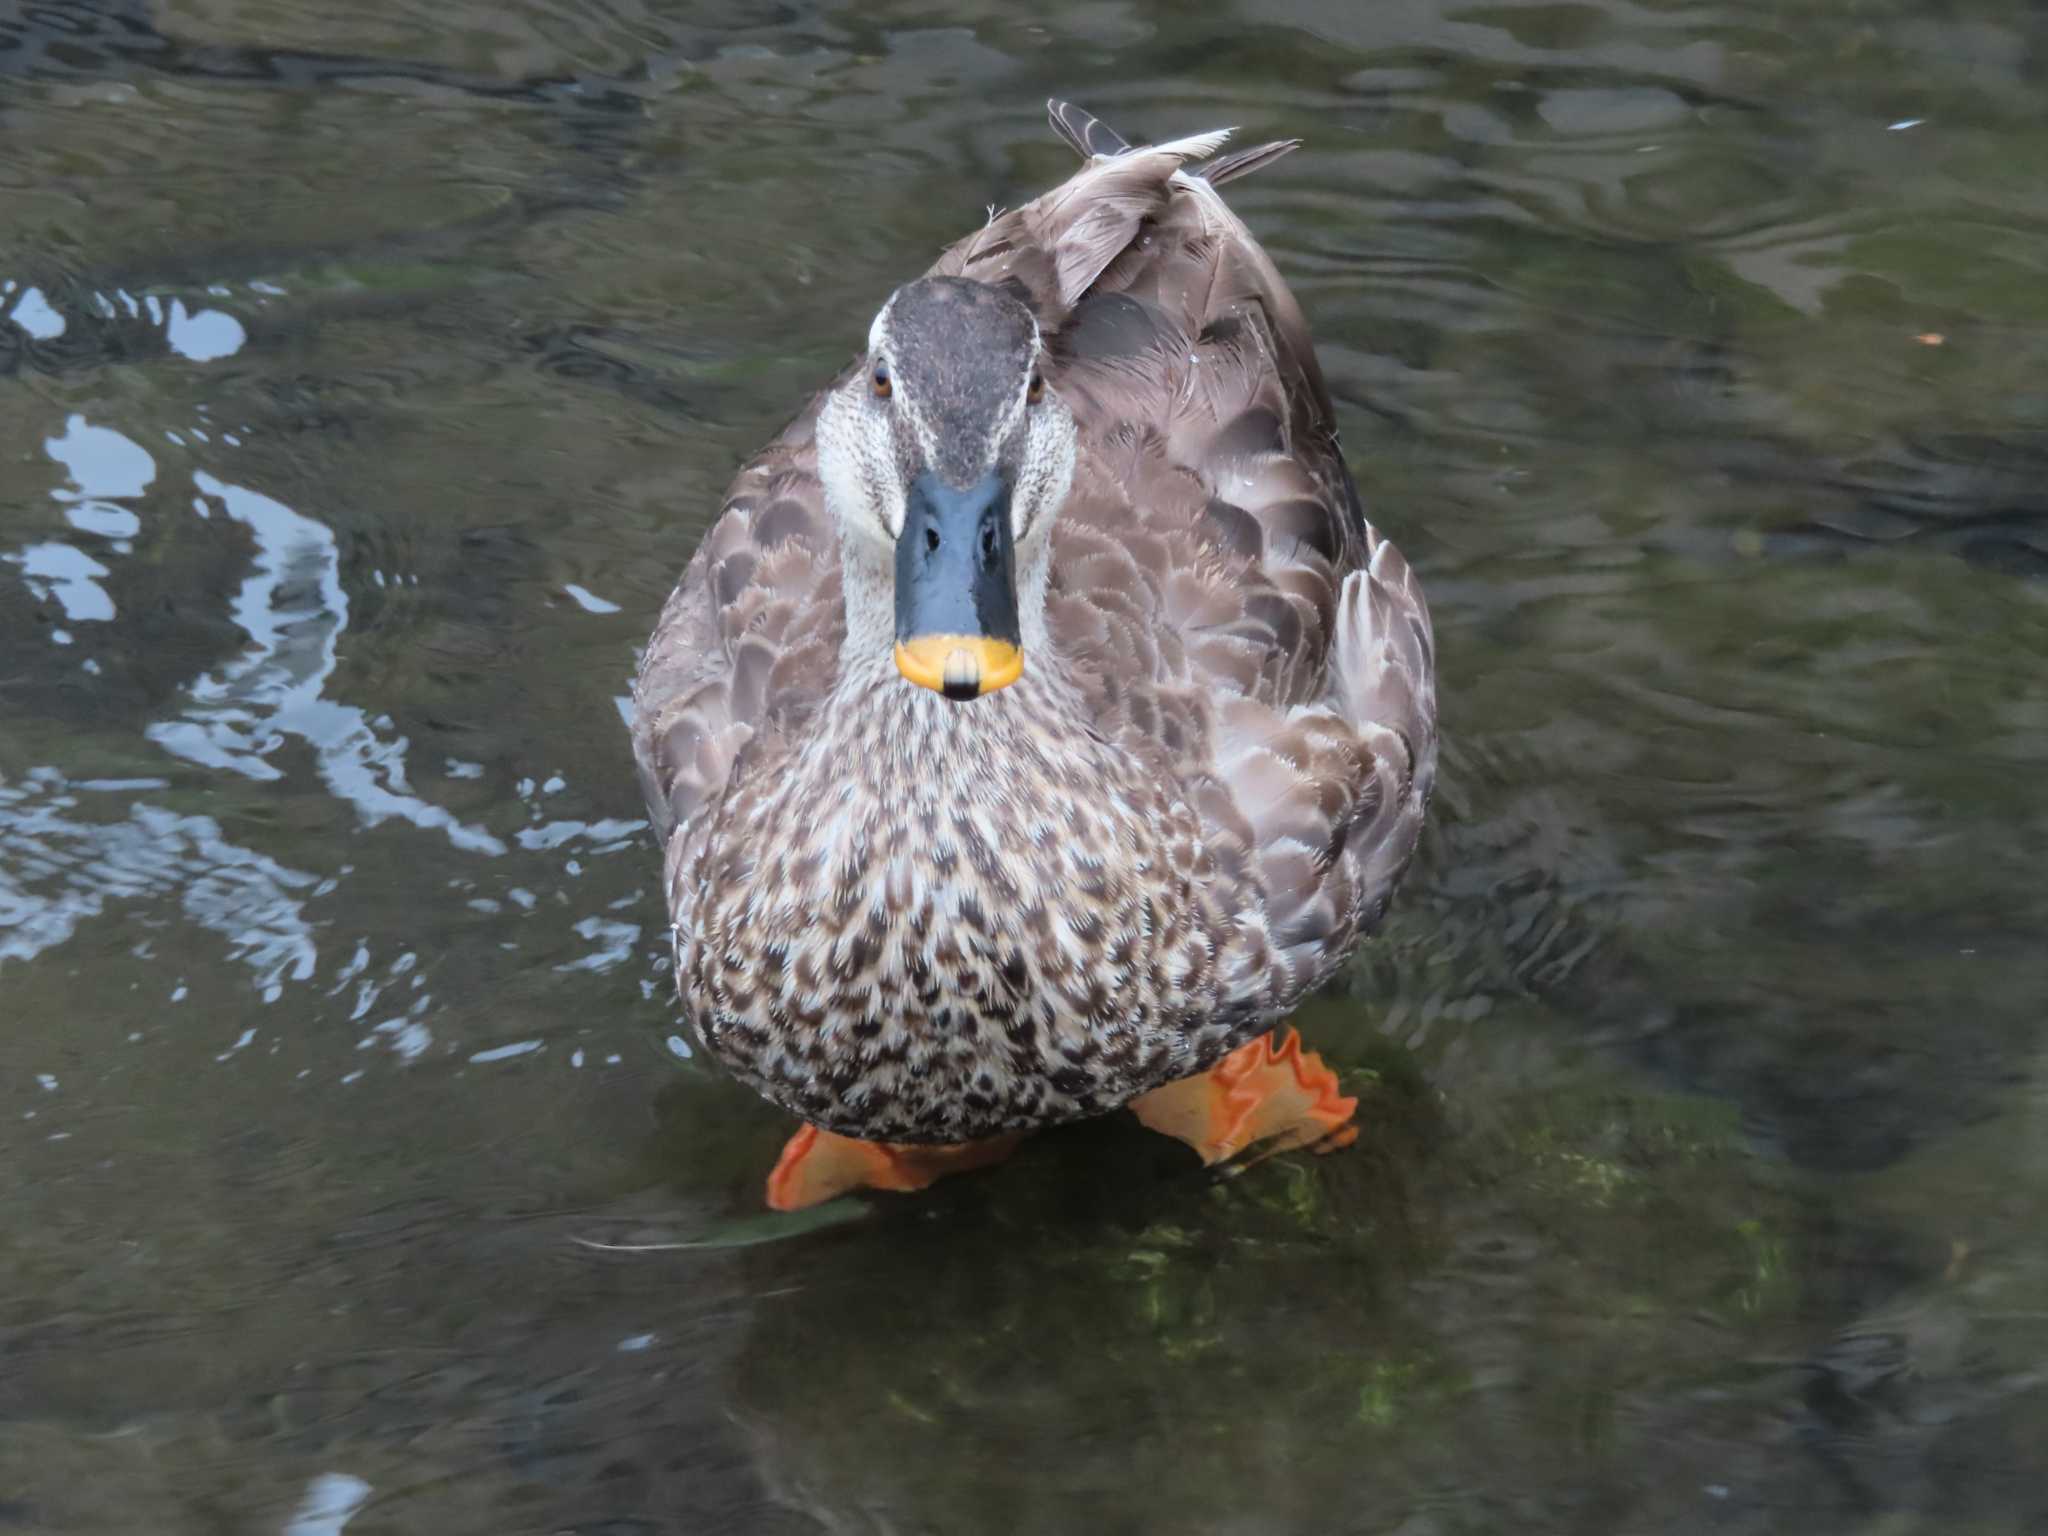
x: 929, y: 1068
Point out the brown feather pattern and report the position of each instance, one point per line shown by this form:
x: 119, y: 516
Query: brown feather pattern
x: 912, y: 920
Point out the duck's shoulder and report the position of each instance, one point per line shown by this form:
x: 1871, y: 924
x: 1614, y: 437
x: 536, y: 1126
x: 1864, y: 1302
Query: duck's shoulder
x: 748, y: 641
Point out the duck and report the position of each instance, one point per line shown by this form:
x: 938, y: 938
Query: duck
x: 1041, y: 719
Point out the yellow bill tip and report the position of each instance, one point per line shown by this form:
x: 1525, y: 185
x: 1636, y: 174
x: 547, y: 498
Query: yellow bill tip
x: 959, y: 666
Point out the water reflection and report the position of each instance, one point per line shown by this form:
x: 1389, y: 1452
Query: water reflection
x: 105, y: 468
x: 68, y: 577
x: 243, y: 717
x: 589, y: 601
x: 60, y: 865
x: 30, y: 310
x: 330, y: 1503
x: 293, y: 609
x: 239, y: 716
x: 616, y: 944
x: 202, y: 335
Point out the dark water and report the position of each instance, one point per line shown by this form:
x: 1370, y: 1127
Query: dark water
x: 366, y: 374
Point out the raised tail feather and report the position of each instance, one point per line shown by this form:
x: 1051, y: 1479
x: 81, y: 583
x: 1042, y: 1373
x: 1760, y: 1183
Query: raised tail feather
x: 1091, y: 138
x: 1089, y: 135
x: 1243, y: 162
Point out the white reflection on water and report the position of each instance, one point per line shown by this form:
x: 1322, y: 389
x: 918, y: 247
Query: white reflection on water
x: 409, y: 1038
x: 607, y: 835
x: 331, y: 1501
x: 202, y: 335
x: 58, y: 869
x: 615, y: 944
x: 588, y: 600
x: 32, y: 312
x: 507, y: 1052
x: 291, y: 606
x: 293, y: 609
x: 105, y: 468
x: 66, y: 576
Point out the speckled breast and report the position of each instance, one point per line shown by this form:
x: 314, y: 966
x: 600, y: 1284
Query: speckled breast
x: 962, y: 953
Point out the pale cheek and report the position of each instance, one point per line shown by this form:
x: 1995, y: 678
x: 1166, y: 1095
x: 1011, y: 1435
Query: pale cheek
x: 1044, y: 485
x: 858, y: 482
x: 885, y: 495
x: 1025, y: 510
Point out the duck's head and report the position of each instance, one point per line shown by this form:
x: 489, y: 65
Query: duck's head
x: 945, y: 460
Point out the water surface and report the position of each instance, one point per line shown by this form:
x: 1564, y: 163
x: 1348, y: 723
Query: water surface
x: 366, y: 376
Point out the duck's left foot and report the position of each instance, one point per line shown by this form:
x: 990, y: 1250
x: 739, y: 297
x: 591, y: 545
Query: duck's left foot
x: 817, y: 1164
x: 1275, y: 1097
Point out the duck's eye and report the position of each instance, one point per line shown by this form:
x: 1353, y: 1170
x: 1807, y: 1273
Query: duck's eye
x: 1036, y: 392
x: 881, y: 381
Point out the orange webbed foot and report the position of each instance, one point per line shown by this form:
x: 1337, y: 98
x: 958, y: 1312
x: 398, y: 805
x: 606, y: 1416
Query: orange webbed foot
x: 818, y: 1164
x: 1261, y: 1093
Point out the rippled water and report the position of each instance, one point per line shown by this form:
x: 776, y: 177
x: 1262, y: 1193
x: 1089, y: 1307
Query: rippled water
x: 366, y: 374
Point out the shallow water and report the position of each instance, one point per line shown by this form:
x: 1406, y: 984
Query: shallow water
x: 366, y: 374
